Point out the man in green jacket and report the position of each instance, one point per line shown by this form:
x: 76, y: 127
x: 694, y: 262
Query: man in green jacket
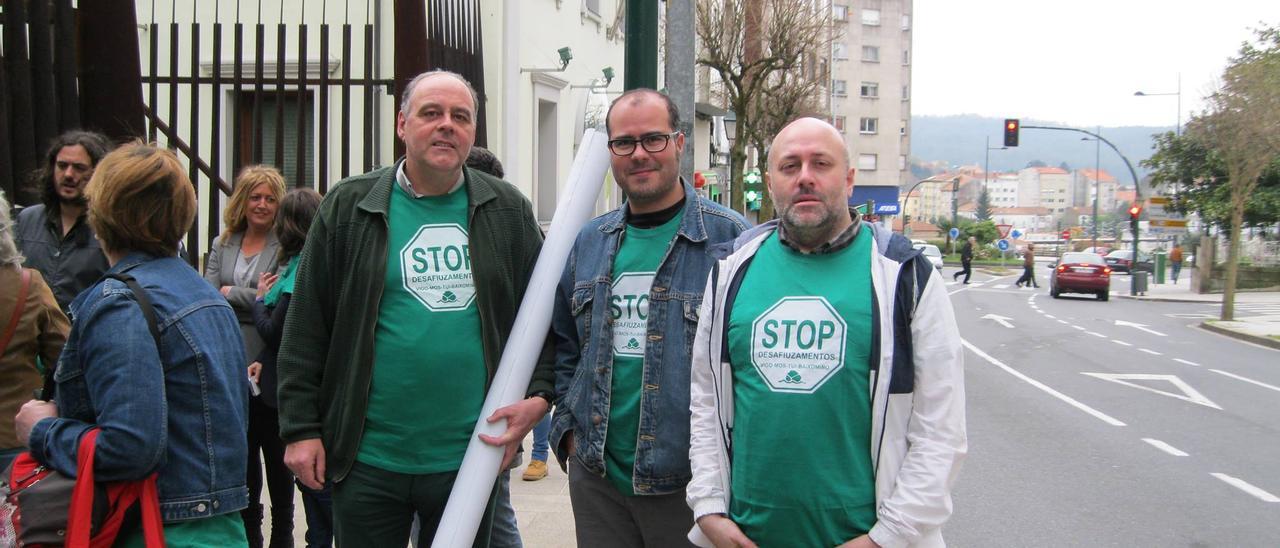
x: 407, y: 290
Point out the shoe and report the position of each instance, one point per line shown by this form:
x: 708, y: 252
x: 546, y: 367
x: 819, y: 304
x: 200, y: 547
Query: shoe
x: 536, y: 470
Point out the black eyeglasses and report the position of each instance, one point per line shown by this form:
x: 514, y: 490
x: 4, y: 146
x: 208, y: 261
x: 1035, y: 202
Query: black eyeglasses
x: 652, y: 144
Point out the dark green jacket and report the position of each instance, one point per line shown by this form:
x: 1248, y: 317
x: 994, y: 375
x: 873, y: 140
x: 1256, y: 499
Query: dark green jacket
x: 326, y: 356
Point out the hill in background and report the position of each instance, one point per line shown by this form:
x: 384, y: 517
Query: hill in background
x: 959, y: 140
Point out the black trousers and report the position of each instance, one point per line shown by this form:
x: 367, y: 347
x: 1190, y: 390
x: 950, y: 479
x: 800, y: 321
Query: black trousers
x: 265, y: 447
x: 966, y: 268
x: 1028, y: 276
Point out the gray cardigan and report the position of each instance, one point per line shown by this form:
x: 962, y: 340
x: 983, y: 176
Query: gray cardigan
x: 219, y: 270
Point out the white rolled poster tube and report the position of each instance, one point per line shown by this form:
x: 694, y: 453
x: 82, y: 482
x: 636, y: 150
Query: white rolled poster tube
x: 470, y: 494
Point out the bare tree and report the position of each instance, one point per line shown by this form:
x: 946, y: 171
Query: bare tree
x: 758, y: 48
x: 1242, y: 125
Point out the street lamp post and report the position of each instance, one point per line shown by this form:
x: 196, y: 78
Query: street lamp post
x: 986, y: 162
x: 1177, y: 129
x: 1097, y: 182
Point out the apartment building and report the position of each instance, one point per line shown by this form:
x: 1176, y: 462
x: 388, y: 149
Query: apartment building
x: 871, y: 93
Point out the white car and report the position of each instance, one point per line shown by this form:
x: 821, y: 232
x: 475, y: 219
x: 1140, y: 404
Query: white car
x: 932, y: 253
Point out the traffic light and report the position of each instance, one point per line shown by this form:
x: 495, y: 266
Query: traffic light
x: 1011, y: 127
x: 1134, y: 211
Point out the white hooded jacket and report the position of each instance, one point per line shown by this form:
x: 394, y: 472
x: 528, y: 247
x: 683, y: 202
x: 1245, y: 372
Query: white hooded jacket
x: 918, y: 416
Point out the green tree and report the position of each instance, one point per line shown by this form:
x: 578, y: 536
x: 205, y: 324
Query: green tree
x: 1188, y: 168
x: 1240, y: 126
x: 983, y: 210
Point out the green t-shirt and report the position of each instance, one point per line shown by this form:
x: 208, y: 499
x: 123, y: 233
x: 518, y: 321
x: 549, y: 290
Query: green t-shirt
x: 634, y: 267
x: 225, y: 530
x: 800, y: 342
x: 428, y: 371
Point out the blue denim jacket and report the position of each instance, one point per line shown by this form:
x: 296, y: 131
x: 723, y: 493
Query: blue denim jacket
x: 584, y: 355
x: 188, y: 421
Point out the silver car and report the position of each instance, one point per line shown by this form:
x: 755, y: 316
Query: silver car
x: 932, y: 253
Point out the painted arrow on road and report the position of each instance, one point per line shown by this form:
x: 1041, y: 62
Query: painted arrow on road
x: 1141, y: 326
x: 999, y: 319
x: 1188, y: 394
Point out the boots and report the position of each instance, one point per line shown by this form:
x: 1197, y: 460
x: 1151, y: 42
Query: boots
x: 252, y: 517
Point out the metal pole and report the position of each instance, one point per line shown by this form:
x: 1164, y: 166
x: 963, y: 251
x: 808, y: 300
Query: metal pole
x: 640, y: 57
x: 1177, y: 129
x: 986, y: 165
x: 680, y: 75
x: 1097, y: 182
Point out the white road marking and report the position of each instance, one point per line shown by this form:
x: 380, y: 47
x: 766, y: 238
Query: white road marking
x: 1180, y: 360
x: 1152, y: 352
x: 1188, y: 394
x: 1165, y: 447
x: 1000, y: 286
x: 1246, y: 487
x: 1077, y: 327
x: 1120, y: 342
x: 1051, y: 316
x: 1068, y: 399
x: 1063, y: 322
x: 1140, y: 326
x: 1250, y: 381
x: 1002, y: 320
x: 1096, y: 334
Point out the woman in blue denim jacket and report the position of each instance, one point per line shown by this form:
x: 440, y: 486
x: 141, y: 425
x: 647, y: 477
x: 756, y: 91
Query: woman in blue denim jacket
x: 179, y: 408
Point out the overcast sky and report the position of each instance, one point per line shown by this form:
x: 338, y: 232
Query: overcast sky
x: 1076, y: 62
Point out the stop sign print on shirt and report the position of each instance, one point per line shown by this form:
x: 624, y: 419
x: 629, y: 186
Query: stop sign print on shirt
x: 797, y: 344
x: 629, y: 309
x: 435, y: 267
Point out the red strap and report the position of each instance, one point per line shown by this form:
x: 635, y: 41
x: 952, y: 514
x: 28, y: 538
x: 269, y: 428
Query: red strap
x: 18, y: 307
x: 80, y: 515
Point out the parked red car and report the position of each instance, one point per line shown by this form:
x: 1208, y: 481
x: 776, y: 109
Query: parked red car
x: 1081, y: 273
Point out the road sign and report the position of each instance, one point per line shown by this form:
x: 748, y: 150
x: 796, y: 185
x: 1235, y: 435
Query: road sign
x: 1015, y: 233
x: 954, y: 232
x: 1003, y: 245
x: 1003, y: 230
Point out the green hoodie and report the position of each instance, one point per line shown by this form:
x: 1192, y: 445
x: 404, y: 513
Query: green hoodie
x: 326, y: 355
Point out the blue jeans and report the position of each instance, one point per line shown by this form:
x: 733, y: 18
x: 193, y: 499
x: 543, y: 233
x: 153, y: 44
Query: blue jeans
x: 318, y: 506
x: 505, y: 533
x: 540, y: 432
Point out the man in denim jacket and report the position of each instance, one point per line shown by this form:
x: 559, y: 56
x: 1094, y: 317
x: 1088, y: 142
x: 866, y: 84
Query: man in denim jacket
x: 625, y: 316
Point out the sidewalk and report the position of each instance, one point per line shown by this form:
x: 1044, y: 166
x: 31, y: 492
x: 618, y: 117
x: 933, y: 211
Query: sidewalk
x: 1261, y: 329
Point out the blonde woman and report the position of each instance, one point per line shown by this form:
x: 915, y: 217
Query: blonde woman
x: 247, y: 248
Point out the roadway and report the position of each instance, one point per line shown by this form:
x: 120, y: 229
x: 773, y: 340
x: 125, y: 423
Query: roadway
x: 1114, y: 423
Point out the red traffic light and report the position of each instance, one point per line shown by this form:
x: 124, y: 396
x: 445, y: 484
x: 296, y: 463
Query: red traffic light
x: 1011, y: 127
x: 1134, y: 211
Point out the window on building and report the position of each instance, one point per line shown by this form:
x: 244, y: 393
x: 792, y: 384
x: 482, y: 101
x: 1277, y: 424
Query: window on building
x: 868, y: 125
x: 839, y: 88
x: 867, y: 162
x: 902, y: 130
x: 288, y: 164
x: 839, y: 50
x: 838, y: 122
x: 871, y: 54
x: 906, y: 57
x: 906, y: 21
x: 839, y: 12
x: 902, y: 162
x: 871, y: 17
x: 906, y: 93
x: 870, y: 90
x: 592, y: 6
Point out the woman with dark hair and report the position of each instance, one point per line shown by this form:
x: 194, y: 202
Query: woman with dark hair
x: 293, y: 220
x: 165, y: 388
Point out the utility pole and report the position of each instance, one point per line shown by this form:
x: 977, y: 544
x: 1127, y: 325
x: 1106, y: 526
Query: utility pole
x: 680, y: 75
x: 640, y: 65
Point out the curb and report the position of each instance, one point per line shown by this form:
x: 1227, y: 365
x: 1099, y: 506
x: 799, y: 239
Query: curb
x: 1255, y: 339
x: 1165, y: 299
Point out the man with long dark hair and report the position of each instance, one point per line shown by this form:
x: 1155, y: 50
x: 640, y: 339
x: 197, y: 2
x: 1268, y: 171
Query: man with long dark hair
x: 54, y: 235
